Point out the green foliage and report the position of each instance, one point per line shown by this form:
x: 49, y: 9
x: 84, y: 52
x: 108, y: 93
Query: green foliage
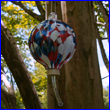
x: 39, y: 78
x: 3, y: 63
x: 43, y: 99
x: 17, y: 20
x: 106, y: 5
x: 20, y: 24
x: 100, y: 17
x: 106, y: 98
x: 3, y: 105
x: 43, y: 4
x: 19, y: 102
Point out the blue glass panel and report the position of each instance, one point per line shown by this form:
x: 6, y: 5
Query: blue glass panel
x: 44, y: 24
x: 49, y: 45
x: 44, y: 50
x: 44, y: 32
x: 51, y: 63
x: 69, y: 26
x: 38, y: 40
x: 74, y: 40
x: 59, y: 58
x: 37, y: 35
x: 38, y: 51
x: 49, y: 28
x: 72, y: 31
x: 55, y: 48
x: 62, y: 32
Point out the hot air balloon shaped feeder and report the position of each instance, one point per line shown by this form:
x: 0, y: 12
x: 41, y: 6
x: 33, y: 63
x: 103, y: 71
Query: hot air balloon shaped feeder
x: 52, y: 43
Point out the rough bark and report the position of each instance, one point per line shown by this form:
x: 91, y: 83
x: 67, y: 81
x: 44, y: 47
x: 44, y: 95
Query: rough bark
x: 82, y: 83
x: 104, y: 38
x: 20, y: 73
x: 8, y: 99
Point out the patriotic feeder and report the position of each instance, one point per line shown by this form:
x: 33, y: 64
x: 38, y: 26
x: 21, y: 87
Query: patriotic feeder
x: 52, y: 43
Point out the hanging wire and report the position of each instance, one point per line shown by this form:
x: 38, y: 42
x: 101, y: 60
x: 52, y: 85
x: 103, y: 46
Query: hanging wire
x: 51, y: 6
x: 55, y: 6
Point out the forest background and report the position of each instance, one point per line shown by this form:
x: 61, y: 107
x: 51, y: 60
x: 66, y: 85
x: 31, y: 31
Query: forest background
x: 20, y: 24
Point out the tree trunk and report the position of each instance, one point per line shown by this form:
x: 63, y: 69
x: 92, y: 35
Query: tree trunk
x: 81, y: 87
x: 20, y: 73
x: 9, y: 99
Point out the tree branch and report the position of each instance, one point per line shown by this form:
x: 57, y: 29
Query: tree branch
x: 11, y: 39
x: 20, y: 73
x: 100, y: 23
x: 106, y: 62
x: 6, y: 82
x: 40, y: 8
x: 105, y: 77
x: 12, y: 80
x: 2, y: 69
x: 104, y: 38
x: 105, y: 15
x: 9, y: 34
x: 38, y: 17
x: 14, y: 13
x: 8, y: 99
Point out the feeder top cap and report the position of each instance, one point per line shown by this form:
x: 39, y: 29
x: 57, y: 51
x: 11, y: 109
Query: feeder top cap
x: 52, y: 15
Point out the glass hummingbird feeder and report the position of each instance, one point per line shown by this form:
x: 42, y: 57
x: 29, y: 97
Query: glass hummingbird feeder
x: 52, y: 43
